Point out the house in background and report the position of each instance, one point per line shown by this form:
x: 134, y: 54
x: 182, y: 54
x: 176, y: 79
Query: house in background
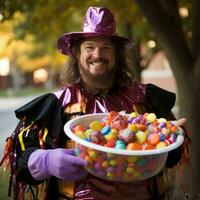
x: 159, y: 73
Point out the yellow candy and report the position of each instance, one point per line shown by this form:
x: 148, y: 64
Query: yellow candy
x: 110, y: 175
x: 114, y: 131
x: 147, y: 132
x: 160, y: 120
x: 110, y: 136
x: 151, y: 117
x: 96, y: 125
x: 105, y: 164
x: 161, y: 145
x: 113, y: 162
x: 137, y: 174
x: 132, y: 127
x: 131, y: 159
x: 110, y: 155
x: 92, y: 154
x: 165, y: 131
x: 80, y: 134
x: 89, y: 159
x: 134, y: 114
x: 141, y: 136
x: 87, y: 133
x: 130, y: 170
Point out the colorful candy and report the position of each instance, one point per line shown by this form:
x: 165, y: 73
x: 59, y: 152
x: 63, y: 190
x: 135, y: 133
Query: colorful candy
x: 120, y: 130
x: 125, y: 132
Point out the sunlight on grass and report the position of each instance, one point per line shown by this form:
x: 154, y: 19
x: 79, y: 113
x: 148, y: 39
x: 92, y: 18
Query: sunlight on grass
x: 4, y: 180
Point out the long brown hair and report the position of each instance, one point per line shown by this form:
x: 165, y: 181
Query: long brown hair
x: 125, y: 69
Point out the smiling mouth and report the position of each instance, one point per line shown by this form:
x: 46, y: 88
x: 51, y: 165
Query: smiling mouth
x: 97, y: 64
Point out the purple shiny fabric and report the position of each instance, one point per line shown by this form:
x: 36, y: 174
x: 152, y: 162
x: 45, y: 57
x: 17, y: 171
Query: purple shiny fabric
x: 99, y: 189
x: 99, y: 21
x: 122, y: 100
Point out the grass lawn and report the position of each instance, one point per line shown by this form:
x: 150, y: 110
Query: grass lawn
x: 4, y: 180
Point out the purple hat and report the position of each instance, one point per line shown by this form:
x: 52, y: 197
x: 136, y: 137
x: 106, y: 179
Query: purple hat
x: 99, y: 21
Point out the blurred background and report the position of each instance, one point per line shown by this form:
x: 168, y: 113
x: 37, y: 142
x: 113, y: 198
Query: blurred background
x: 167, y: 40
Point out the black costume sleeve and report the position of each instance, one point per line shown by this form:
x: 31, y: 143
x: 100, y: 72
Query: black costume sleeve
x: 44, y: 112
x: 161, y: 102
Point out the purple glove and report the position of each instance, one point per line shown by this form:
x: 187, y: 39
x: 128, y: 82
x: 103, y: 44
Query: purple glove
x: 61, y: 163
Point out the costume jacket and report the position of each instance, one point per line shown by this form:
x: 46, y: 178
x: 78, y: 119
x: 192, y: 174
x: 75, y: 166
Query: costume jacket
x: 41, y: 126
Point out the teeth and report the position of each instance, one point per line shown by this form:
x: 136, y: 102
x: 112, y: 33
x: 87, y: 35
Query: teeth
x: 97, y: 63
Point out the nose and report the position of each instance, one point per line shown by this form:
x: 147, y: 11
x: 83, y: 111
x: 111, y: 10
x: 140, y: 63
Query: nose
x: 97, y: 52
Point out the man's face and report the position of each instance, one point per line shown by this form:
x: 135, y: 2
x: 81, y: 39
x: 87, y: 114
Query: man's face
x: 97, y: 60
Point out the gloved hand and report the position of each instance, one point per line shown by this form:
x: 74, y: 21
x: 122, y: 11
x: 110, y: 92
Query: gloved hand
x: 61, y: 163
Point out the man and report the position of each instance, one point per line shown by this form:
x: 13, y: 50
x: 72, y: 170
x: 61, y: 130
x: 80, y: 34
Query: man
x: 98, y: 78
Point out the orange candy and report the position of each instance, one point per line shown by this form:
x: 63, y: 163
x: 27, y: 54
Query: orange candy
x: 110, y: 143
x: 78, y: 128
x: 134, y: 146
x: 153, y: 138
x: 89, y: 159
x: 173, y: 129
x: 147, y: 146
x: 141, y: 127
x: 112, y: 115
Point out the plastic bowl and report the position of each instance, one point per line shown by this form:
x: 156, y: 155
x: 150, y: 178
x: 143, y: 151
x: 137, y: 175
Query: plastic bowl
x: 115, y: 164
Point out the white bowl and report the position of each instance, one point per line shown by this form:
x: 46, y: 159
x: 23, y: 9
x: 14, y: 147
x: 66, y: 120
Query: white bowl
x: 116, y: 164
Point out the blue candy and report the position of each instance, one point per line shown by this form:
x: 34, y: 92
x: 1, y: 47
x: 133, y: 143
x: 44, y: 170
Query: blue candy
x: 105, y: 130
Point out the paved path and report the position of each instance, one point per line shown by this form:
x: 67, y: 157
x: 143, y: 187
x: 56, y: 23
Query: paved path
x: 8, y: 121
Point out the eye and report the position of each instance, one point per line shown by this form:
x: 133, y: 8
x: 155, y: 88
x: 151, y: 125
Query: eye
x: 89, y: 47
x: 107, y: 47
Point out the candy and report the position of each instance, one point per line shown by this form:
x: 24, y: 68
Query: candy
x: 113, y: 162
x: 96, y: 137
x: 119, y: 122
x: 130, y: 170
x: 141, y: 136
x: 78, y: 128
x: 134, y: 114
x: 161, y: 145
x: 110, y: 136
x: 131, y: 159
x: 120, y: 144
x: 105, y: 130
x: 151, y: 117
x: 127, y: 135
x: 153, y: 138
x: 126, y: 132
x: 162, y: 137
x: 147, y: 146
x: 134, y: 146
x: 105, y: 164
x: 132, y: 127
x: 131, y: 132
x: 110, y: 143
x: 96, y: 125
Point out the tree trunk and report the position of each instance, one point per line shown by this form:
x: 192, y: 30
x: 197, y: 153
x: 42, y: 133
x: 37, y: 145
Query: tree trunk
x: 17, y: 78
x: 189, y: 98
x: 163, y: 17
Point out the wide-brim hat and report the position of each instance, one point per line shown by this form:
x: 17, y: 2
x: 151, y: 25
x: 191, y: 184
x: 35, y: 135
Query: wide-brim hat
x: 99, y: 21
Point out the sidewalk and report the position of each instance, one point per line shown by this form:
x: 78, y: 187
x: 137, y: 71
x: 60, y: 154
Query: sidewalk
x: 10, y: 103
